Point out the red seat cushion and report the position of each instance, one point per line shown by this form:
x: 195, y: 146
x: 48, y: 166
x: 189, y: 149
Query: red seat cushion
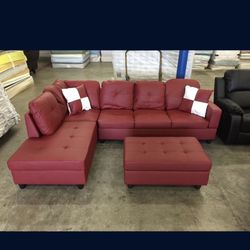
x: 117, y: 95
x: 175, y: 89
x: 149, y: 95
x: 47, y: 113
x: 151, y: 119
x: 165, y: 154
x: 67, y: 149
x: 116, y: 119
x: 182, y: 119
x: 90, y: 115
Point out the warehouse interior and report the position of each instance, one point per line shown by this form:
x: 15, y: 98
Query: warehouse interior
x: 105, y: 203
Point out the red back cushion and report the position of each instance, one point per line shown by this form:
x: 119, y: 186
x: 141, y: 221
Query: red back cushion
x: 56, y: 91
x: 117, y: 95
x: 175, y: 89
x: 149, y: 95
x: 92, y: 88
x: 47, y: 113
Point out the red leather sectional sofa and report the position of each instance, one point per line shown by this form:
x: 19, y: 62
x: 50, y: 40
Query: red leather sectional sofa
x: 60, y: 147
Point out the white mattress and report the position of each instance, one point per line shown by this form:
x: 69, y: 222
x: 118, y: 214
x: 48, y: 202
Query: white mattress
x: 70, y: 65
x: 145, y: 64
x: 69, y: 58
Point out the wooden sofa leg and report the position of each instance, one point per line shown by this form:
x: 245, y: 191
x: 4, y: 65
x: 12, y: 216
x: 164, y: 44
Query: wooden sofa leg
x: 197, y: 187
x: 101, y: 141
x: 208, y: 141
x: 130, y: 186
x: 80, y: 186
x: 22, y: 186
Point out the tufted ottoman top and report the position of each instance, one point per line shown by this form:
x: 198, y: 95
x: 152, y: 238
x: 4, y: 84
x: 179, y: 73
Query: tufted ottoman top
x: 165, y: 154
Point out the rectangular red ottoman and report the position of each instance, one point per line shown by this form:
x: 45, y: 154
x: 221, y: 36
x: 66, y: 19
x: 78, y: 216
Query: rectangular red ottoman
x: 165, y: 161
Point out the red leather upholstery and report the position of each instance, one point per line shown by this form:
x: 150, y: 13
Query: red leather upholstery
x: 60, y: 84
x: 169, y: 161
x: 117, y: 95
x: 180, y: 119
x: 175, y: 89
x: 47, y: 113
x: 118, y: 119
x: 69, y: 150
x: 32, y: 130
x: 90, y: 115
x: 213, y: 115
x: 57, y: 92
x: 92, y: 88
x: 149, y: 95
x: 151, y: 119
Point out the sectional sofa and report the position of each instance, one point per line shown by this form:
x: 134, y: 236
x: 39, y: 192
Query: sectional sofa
x: 60, y: 146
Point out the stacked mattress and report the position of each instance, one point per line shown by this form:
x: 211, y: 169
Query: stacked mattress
x: 106, y: 55
x: 95, y: 55
x: 244, y: 59
x: 8, y: 114
x: 201, y: 59
x: 145, y: 64
x: 70, y: 58
x: 14, y: 73
x: 224, y: 59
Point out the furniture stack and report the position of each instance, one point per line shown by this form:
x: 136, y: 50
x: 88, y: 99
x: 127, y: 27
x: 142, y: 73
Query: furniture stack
x: 106, y: 55
x: 147, y: 64
x: 201, y: 59
x: 8, y: 114
x: 244, y: 59
x: 70, y: 58
x: 14, y: 73
x: 224, y: 59
x: 95, y: 55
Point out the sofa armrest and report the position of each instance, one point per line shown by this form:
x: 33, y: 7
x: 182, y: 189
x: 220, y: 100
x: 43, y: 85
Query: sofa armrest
x: 227, y: 105
x: 213, y: 115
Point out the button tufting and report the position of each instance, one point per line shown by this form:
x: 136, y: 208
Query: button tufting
x: 75, y: 127
x: 165, y: 152
x: 143, y: 143
x: 162, y: 143
x: 71, y: 136
x: 65, y: 147
x: 144, y: 152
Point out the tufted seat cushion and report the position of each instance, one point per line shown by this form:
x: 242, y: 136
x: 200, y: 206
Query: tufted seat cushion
x: 116, y: 119
x: 180, y: 119
x: 66, y: 149
x: 90, y: 115
x: 165, y: 154
x: 151, y: 119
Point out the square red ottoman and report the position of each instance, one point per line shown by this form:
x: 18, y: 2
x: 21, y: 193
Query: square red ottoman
x: 165, y: 161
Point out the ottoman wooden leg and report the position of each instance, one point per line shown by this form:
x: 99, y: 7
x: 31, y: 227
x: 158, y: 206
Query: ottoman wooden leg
x: 130, y: 186
x: 22, y: 186
x: 80, y: 186
x: 197, y: 187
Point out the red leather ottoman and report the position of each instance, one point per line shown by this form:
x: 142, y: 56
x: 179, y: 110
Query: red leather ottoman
x: 62, y: 158
x: 165, y: 161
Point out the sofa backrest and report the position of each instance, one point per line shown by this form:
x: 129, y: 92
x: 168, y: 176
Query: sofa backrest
x: 117, y: 95
x: 56, y: 90
x: 175, y: 89
x: 237, y: 86
x: 149, y: 95
x: 92, y: 88
x: 47, y: 113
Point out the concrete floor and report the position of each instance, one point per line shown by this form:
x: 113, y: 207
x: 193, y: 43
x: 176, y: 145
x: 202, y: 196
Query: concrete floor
x: 105, y: 203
